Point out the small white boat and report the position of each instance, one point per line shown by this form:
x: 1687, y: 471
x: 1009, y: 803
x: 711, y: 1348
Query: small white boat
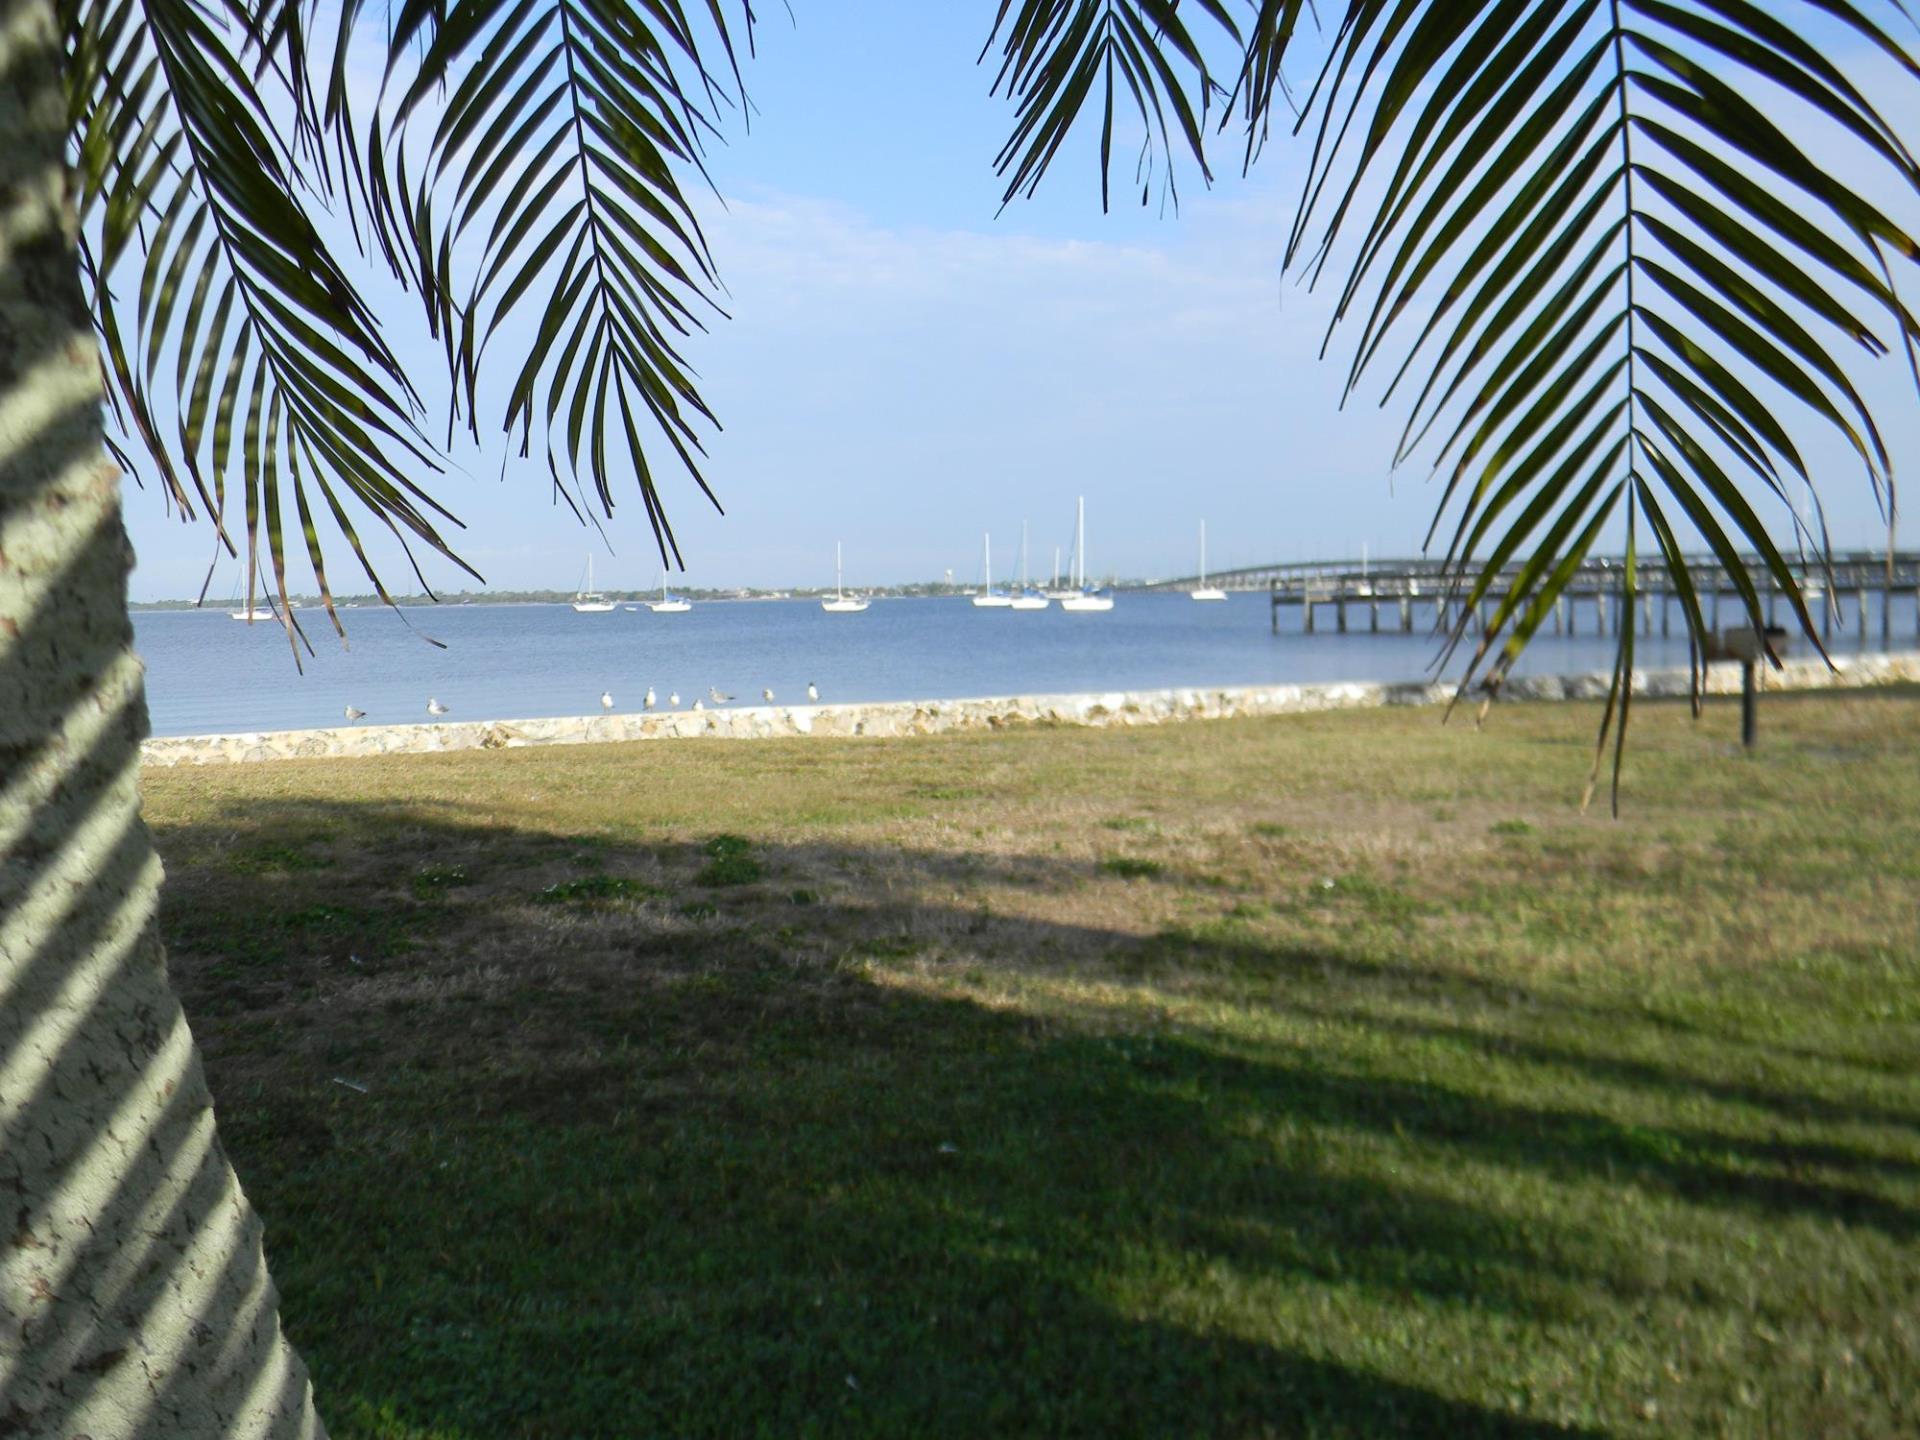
x: 587, y: 600
x: 668, y: 604
x: 841, y: 603
x: 989, y: 598
x: 1084, y: 599
x: 1206, y: 591
x: 1026, y: 597
x: 254, y: 614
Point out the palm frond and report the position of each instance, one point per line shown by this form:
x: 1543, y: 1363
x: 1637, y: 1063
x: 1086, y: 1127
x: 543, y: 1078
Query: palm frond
x: 198, y: 140
x: 1055, y: 54
x: 525, y: 168
x: 1627, y: 287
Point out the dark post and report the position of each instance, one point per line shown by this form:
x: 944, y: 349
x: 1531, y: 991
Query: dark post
x: 1749, y: 720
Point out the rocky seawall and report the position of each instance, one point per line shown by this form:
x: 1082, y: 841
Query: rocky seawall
x: 935, y: 717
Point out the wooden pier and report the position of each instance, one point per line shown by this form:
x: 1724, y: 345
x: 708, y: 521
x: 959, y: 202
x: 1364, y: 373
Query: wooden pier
x: 1349, y: 597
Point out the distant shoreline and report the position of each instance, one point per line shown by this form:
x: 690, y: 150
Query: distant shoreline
x: 555, y: 597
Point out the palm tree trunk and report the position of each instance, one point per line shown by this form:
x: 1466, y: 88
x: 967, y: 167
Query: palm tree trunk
x: 134, y: 1296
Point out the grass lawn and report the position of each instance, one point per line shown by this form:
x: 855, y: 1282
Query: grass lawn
x: 1308, y: 1076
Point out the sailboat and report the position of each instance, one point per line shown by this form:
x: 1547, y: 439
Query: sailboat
x: 989, y: 598
x: 587, y: 600
x: 1084, y: 598
x: 668, y: 604
x: 250, y: 610
x: 841, y: 603
x: 1026, y: 597
x: 1055, y: 591
x: 1206, y: 591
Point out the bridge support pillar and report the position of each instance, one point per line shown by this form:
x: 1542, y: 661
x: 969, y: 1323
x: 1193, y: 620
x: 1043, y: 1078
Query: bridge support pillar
x: 1340, y: 614
x: 1307, y: 603
x: 1373, y: 615
x: 1406, y: 614
x: 1715, y: 622
x: 1666, y: 616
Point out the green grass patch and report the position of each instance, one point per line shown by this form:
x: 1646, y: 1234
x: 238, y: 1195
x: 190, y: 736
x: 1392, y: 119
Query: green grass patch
x: 282, y: 859
x: 729, y: 863
x: 435, y: 880
x: 596, y: 889
x: 1131, y: 867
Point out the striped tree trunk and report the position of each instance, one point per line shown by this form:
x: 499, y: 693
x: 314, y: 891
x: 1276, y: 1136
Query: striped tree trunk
x: 134, y: 1296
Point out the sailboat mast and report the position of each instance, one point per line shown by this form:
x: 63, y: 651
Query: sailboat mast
x: 1080, y: 543
x: 1203, y: 554
x: 1023, y: 554
x: 986, y: 562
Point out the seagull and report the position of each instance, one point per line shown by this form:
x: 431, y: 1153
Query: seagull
x: 434, y: 707
x: 713, y: 693
x: 673, y: 700
x: 606, y: 700
x: 647, y: 704
x: 353, y: 714
x: 698, y: 706
x: 767, y: 694
x: 813, y: 692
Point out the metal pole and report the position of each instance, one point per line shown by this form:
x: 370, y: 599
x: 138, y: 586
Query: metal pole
x: 1749, y: 724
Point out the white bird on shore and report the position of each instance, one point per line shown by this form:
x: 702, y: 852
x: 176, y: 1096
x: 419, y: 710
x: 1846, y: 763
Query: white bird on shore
x: 713, y: 693
x: 813, y: 692
x: 353, y: 714
x: 434, y: 707
x: 767, y: 694
x: 698, y: 706
x: 647, y: 704
x: 606, y: 700
x: 673, y: 701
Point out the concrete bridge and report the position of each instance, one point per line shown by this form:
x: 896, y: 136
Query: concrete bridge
x: 1353, y: 593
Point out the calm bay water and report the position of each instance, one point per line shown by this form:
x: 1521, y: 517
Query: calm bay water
x: 207, y: 673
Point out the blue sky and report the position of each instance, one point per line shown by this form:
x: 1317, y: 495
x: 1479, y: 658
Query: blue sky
x: 905, y: 369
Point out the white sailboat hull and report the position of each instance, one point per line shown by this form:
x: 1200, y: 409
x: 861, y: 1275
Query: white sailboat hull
x: 993, y: 602
x: 1208, y: 592
x: 1031, y: 602
x: 843, y: 606
x: 593, y: 607
x: 669, y: 607
x: 1084, y: 604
